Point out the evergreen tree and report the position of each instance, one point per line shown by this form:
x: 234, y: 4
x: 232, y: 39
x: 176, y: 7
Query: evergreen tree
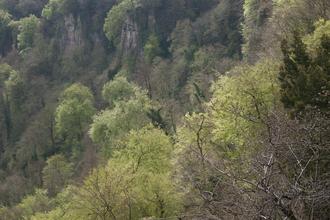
x: 156, y: 118
x: 303, y: 78
x: 152, y: 49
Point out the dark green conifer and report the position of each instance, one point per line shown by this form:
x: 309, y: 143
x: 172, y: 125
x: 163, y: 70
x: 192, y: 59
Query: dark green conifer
x: 303, y: 78
x: 156, y: 118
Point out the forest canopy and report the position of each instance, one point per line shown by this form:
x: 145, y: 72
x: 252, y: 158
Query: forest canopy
x: 164, y: 109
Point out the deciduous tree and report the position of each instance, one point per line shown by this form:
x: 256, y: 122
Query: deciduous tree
x: 27, y: 27
x: 127, y: 115
x: 57, y: 173
x: 73, y: 113
x: 116, y: 90
x: 115, y: 20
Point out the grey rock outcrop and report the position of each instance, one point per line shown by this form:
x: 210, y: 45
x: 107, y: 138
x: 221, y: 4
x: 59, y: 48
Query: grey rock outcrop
x: 72, y: 35
x: 130, y: 33
x: 132, y: 27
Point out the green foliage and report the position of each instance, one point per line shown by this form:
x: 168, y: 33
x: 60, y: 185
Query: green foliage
x: 127, y: 115
x: 149, y: 3
x: 156, y: 118
x: 196, y: 7
x: 313, y: 40
x: 62, y: 7
x: 68, y: 6
x: 5, y: 70
x: 152, y: 49
x: 199, y: 94
x: 227, y: 17
x: 4, y: 28
x: 39, y: 202
x: 50, y: 9
x: 6, y: 112
x: 113, y: 24
x: 167, y: 14
x: 148, y: 148
x: 57, y: 173
x: 27, y: 27
x: 115, y: 20
x: 63, y: 208
x: 122, y: 194
x: 16, y: 112
x: 5, y: 20
x: 42, y: 134
x: 179, y: 37
x: 111, y: 191
x: 118, y: 89
x: 133, y: 185
x: 76, y: 91
x: 14, y: 31
x: 128, y: 64
x: 160, y: 195
x: 243, y: 99
x: 16, y: 87
x: 196, y: 132
x: 43, y: 57
x: 73, y: 113
x: 239, y: 134
x: 303, y: 78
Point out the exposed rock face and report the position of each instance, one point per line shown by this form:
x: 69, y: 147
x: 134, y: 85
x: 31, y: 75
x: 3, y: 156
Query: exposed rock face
x: 96, y: 39
x: 130, y: 33
x: 72, y: 34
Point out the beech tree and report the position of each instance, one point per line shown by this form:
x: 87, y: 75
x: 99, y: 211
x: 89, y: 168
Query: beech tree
x: 118, y: 89
x: 149, y: 148
x: 73, y: 113
x: 245, y: 92
x: 136, y: 183
x: 115, y: 20
x: 278, y: 173
x: 246, y: 159
x: 27, y: 27
x: 313, y: 40
x: 57, y: 173
x: 30, y: 205
x: 128, y: 113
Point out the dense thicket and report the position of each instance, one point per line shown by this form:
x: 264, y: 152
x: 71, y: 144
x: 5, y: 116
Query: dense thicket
x: 164, y: 109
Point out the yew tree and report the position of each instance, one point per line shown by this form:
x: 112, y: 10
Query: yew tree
x: 304, y: 77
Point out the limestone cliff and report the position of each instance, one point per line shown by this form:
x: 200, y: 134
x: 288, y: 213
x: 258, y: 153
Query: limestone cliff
x: 136, y: 20
x: 130, y: 33
x: 72, y: 34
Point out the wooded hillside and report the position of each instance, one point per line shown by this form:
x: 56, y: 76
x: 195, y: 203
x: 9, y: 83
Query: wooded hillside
x: 164, y: 109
